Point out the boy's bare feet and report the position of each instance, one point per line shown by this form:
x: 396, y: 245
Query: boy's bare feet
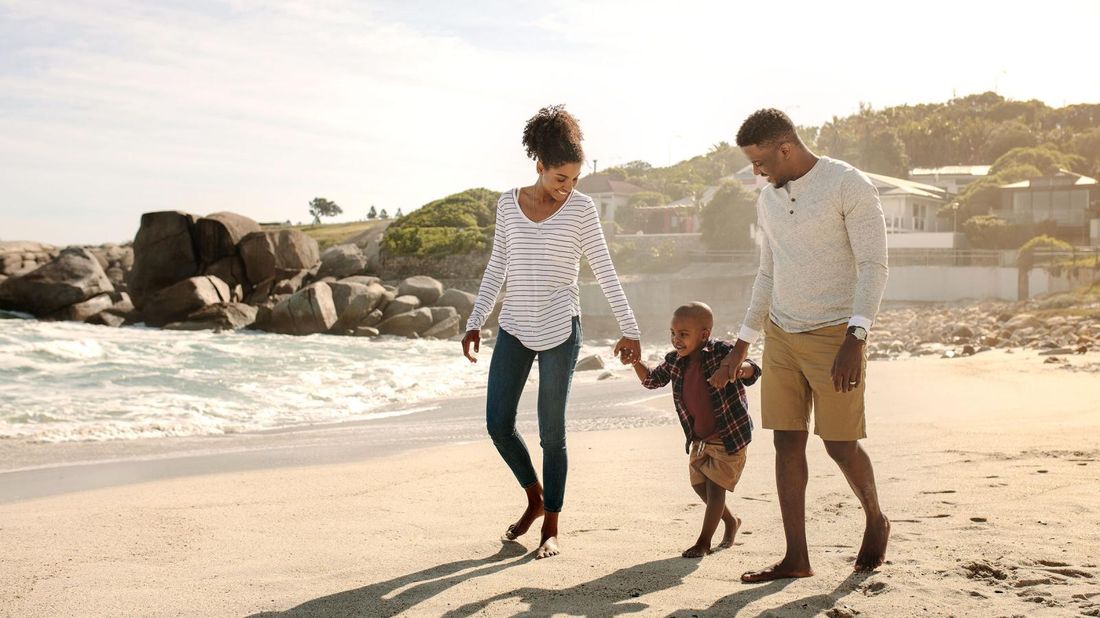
x: 731, y: 533
x: 549, y: 547
x: 783, y: 570
x: 697, y: 551
x: 872, y: 553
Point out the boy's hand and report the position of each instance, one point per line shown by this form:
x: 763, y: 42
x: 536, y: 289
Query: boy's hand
x: 746, y: 371
x: 628, y: 351
x: 729, y: 369
x: 472, y: 337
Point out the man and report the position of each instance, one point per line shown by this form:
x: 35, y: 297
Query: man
x: 821, y: 278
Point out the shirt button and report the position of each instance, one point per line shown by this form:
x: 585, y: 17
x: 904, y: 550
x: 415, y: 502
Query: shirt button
x: 792, y: 199
x: 792, y: 212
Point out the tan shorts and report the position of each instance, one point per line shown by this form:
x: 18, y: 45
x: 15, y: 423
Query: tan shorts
x: 710, y: 461
x: 798, y: 377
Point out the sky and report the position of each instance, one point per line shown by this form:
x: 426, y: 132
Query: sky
x: 112, y: 108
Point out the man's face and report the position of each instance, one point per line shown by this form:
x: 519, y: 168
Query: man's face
x: 771, y: 161
x: 688, y: 335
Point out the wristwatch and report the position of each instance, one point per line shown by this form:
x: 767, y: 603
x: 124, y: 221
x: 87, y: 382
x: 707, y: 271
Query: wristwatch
x: 858, y: 332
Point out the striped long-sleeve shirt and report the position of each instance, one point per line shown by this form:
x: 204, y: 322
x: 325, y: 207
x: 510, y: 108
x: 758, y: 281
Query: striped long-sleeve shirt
x: 540, y: 262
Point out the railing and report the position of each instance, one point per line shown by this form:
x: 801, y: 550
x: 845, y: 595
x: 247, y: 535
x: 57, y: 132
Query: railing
x: 951, y: 257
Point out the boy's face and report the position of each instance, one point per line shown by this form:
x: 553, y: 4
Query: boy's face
x: 688, y: 335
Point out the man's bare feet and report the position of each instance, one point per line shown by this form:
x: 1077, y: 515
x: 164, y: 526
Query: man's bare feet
x: 872, y: 553
x: 523, y: 524
x: 730, y: 534
x: 783, y: 570
x: 548, y: 548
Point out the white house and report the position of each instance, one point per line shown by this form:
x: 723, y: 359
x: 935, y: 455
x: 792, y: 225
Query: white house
x: 608, y: 193
x: 950, y: 178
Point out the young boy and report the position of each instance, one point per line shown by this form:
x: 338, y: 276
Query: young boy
x: 715, y: 421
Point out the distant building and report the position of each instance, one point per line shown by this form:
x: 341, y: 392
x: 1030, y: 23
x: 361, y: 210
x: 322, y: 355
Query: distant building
x: 608, y: 193
x: 950, y: 178
x: 1062, y: 198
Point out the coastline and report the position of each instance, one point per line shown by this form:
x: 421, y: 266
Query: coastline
x: 982, y: 465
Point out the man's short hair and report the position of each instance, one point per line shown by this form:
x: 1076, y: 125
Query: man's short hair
x: 765, y: 127
x: 696, y: 311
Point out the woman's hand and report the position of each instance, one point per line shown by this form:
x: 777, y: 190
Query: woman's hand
x: 628, y: 350
x: 474, y: 337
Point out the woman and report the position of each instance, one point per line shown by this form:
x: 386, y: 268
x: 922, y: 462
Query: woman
x: 541, y: 233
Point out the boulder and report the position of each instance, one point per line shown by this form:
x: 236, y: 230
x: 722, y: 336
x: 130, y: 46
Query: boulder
x: 363, y: 279
x: 1023, y: 321
x: 443, y: 313
x: 81, y: 311
x: 445, y: 328
x: 462, y: 301
x: 229, y: 269
x: 291, y: 284
x: 107, y: 317
x: 73, y: 277
x: 306, y: 312
x: 343, y: 261
x: 401, y: 304
x: 374, y: 318
x: 365, y: 331
x: 408, y: 324
x: 177, y: 301
x: 354, y: 302
x: 590, y: 363
x: 220, y: 316
x: 217, y: 235
x: 164, y: 253
x: 428, y: 290
x: 271, y: 254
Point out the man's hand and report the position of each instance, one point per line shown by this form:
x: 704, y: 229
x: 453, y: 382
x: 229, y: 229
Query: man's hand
x: 474, y: 337
x: 730, y: 365
x: 848, y: 365
x: 628, y: 350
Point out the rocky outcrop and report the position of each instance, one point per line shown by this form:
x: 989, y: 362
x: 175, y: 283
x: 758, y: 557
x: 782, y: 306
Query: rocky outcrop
x: 461, y: 301
x: 408, y: 324
x: 19, y: 257
x: 306, y: 312
x: 428, y: 290
x: 273, y: 256
x: 179, y: 300
x: 164, y: 254
x: 220, y: 316
x: 354, y: 302
x: 342, y: 261
x: 73, y: 277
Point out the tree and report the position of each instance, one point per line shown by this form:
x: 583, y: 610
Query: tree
x: 728, y: 218
x: 399, y: 214
x: 372, y: 213
x: 383, y: 214
x: 320, y: 207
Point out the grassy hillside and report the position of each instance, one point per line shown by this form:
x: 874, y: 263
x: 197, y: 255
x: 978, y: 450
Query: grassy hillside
x: 329, y: 234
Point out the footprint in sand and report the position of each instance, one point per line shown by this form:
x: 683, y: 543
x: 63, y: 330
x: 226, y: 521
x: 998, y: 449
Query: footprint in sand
x: 875, y: 588
x: 980, y: 520
x: 941, y: 491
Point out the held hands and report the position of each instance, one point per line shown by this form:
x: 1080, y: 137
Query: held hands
x: 629, y: 351
x: 472, y: 337
x: 733, y: 366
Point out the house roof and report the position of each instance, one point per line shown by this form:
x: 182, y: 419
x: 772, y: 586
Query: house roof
x: 603, y: 183
x: 888, y: 185
x: 1078, y: 181
x: 951, y: 170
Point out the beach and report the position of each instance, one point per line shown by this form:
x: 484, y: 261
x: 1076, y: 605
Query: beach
x: 988, y: 467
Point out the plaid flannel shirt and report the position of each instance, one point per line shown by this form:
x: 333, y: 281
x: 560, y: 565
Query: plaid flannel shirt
x: 731, y: 407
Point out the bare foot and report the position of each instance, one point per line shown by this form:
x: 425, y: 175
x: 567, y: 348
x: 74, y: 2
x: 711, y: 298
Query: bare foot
x: 518, y: 529
x: 730, y: 534
x: 872, y: 553
x: 548, y: 548
x: 697, y: 551
x: 777, y: 571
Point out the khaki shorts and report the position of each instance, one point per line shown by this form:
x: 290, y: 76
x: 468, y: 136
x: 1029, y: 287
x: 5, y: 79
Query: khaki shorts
x: 710, y: 461
x: 798, y: 377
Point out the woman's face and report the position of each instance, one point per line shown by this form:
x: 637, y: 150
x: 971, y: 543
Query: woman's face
x: 559, y: 181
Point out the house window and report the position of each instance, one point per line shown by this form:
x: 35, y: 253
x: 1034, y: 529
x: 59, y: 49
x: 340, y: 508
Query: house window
x: 1040, y: 206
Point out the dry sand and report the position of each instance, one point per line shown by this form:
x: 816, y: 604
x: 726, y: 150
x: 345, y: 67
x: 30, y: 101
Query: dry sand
x: 989, y: 467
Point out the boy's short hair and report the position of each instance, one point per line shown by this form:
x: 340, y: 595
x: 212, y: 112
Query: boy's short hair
x: 765, y: 127
x: 696, y: 311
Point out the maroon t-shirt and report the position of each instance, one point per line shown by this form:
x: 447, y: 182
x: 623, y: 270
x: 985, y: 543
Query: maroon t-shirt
x: 697, y: 400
